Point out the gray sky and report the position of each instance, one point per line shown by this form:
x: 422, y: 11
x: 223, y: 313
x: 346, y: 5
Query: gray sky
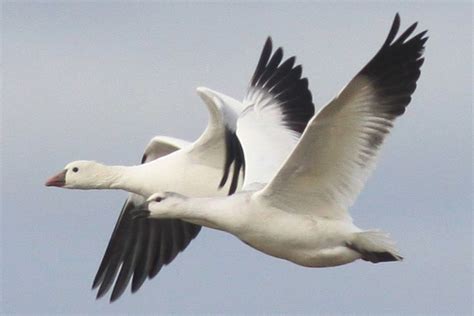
x: 97, y: 81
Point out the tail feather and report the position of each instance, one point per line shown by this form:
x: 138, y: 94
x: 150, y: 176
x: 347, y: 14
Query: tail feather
x: 375, y: 246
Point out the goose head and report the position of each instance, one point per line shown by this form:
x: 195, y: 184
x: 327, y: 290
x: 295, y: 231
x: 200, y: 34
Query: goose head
x: 81, y: 174
x: 162, y: 205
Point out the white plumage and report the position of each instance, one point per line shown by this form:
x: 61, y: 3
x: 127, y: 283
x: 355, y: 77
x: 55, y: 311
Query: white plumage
x: 211, y: 166
x: 301, y: 213
x: 139, y: 249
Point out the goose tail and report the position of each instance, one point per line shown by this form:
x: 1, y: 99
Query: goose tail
x: 375, y: 246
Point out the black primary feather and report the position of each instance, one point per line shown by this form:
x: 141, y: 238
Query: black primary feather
x: 283, y: 81
x: 234, y: 154
x: 139, y: 247
x: 395, y: 69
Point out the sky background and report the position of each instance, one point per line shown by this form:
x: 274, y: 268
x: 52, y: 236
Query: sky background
x: 97, y: 80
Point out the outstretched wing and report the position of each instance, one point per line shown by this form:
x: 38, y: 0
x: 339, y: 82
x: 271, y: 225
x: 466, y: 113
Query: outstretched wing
x: 140, y: 247
x: 278, y: 108
x: 335, y: 155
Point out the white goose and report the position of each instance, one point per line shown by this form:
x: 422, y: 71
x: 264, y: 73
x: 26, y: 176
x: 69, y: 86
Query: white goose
x: 138, y: 247
x: 301, y: 214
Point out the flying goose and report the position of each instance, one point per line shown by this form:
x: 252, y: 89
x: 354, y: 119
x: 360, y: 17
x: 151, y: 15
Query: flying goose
x: 211, y: 166
x: 301, y: 213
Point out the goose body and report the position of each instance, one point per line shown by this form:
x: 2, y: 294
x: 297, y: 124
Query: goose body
x: 302, y: 239
x: 301, y: 213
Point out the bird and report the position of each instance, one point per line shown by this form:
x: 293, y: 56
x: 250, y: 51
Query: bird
x: 301, y: 213
x: 140, y: 248
x: 213, y: 165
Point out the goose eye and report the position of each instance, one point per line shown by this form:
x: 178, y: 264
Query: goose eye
x: 75, y: 169
x: 158, y: 199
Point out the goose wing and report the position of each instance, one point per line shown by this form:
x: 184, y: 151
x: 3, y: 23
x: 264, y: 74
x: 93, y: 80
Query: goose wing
x: 139, y: 247
x: 335, y: 155
x: 219, y: 140
x: 261, y: 131
x: 278, y: 106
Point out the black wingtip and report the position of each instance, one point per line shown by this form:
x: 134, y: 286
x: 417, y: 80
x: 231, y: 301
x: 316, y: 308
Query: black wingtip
x: 398, y: 50
x: 393, y: 30
x: 122, y: 280
x: 137, y: 283
x: 395, y: 69
x: 264, y: 56
x: 269, y: 41
x: 278, y: 52
x: 113, y: 298
x: 101, y: 292
x: 95, y: 284
x: 233, y: 155
x: 111, y: 258
x: 284, y: 82
x: 401, y: 39
x: 116, y: 293
x: 129, y: 243
x: 397, y: 19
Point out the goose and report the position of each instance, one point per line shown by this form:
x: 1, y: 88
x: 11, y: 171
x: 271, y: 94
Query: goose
x: 301, y: 213
x: 211, y: 166
x: 139, y: 249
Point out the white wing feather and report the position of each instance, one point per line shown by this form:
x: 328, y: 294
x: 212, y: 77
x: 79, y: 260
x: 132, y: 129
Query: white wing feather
x: 278, y: 107
x: 223, y: 114
x: 337, y: 152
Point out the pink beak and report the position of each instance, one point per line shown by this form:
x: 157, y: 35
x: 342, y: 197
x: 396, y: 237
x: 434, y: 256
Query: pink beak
x: 58, y: 180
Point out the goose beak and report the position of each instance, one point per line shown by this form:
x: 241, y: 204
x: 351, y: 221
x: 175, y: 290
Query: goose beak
x: 58, y: 180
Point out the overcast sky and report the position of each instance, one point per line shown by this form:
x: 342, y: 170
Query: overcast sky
x: 97, y: 81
